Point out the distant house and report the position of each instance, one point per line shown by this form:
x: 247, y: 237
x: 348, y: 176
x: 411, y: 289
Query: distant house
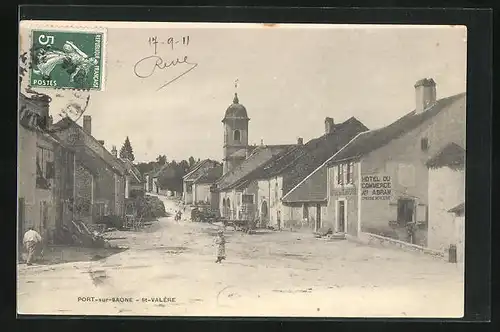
x: 197, y: 182
x: 238, y: 196
x: 100, y: 177
x: 45, y: 172
x: 378, y: 183
x: 446, y: 199
x: 152, y: 179
x: 134, y: 183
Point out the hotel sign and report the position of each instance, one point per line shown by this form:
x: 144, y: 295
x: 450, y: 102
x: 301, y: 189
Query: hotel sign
x: 376, y: 187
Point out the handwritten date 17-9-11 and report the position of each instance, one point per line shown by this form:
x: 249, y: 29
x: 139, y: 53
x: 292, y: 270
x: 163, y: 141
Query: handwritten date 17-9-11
x: 171, y: 41
x: 147, y: 66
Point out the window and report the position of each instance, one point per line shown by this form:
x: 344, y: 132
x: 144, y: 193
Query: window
x: 100, y: 209
x: 340, y: 175
x: 44, y: 167
x: 405, y: 211
x: 247, y: 199
x: 237, y: 135
x: 345, y: 173
x: 350, y: 171
x: 424, y: 144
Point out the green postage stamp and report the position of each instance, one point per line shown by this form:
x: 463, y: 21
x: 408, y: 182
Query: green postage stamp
x: 67, y: 59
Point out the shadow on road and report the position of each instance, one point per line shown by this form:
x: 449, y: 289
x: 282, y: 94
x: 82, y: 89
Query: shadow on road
x: 65, y: 254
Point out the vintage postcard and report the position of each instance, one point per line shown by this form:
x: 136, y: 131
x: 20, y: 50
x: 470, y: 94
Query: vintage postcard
x: 224, y: 169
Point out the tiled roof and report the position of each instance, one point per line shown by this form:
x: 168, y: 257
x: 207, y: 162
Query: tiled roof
x: 262, y: 170
x: 195, y: 167
x: 203, y: 172
x: 452, y: 155
x: 369, y: 141
x: 375, y: 139
x: 318, y: 150
x: 210, y: 176
x: 312, y: 189
x: 129, y: 165
x: 257, y: 158
x: 300, y: 160
x: 106, y: 156
x: 240, y: 153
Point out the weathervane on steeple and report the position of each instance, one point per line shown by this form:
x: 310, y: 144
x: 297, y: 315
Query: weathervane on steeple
x: 235, y: 100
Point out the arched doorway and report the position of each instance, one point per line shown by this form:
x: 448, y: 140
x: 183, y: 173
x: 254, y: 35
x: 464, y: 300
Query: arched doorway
x: 264, y: 213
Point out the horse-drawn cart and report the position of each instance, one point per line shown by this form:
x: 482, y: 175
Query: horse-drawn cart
x: 244, y: 225
x: 204, y: 214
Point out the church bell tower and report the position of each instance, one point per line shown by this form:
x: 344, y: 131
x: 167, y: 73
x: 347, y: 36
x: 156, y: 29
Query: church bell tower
x: 235, y: 135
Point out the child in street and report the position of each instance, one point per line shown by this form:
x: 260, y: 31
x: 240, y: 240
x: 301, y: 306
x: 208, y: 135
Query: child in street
x: 220, y: 243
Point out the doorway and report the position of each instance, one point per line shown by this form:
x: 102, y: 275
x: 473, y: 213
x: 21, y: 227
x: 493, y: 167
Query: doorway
x: 341, y: 216
x: 318, y: 216
x: 264, y: 213
x: 406, y: 210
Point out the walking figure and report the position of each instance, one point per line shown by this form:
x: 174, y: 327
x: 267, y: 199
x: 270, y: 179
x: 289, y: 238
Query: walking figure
x: 32, y: 243
x: 220, y: 243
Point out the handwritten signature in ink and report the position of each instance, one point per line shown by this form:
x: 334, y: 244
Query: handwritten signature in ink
x: 147, y: 66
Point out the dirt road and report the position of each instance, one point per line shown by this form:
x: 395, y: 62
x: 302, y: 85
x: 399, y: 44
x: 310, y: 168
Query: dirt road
x: 170, y: 270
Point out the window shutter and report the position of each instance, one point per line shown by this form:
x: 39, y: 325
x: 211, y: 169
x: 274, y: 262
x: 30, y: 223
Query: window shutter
x: 344, y: 174
x: 421, y: 213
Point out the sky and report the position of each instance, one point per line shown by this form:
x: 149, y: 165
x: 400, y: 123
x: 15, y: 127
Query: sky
x: 290, y: 77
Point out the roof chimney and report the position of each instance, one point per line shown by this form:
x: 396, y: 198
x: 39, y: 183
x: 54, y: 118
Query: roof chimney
x: 87, y: 124
x: 114, y: 152
x: 425, y: 94
x: 101, y: 142
x: 329, y: 124
x: 300, y: 141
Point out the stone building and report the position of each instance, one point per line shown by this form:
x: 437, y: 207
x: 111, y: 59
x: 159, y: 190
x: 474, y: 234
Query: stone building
x: 100, y: 177
x: 197, y: 182
x: 446, y: 199
x: 378, y: 183
x: 45, y: 171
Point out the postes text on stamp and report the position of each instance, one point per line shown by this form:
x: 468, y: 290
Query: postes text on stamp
x: 66, y: 60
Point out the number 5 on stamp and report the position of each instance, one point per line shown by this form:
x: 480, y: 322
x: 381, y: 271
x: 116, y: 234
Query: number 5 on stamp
x: 66, y: 60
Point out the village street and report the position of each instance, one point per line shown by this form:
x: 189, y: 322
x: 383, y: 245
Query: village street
x: 272, y: 274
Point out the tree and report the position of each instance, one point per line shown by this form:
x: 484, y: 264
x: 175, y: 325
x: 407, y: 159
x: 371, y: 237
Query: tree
x: 184, y: 166
x: 191, y: 162
x: 161, y: 160
x: 146, y: 167
x: 126, y: 150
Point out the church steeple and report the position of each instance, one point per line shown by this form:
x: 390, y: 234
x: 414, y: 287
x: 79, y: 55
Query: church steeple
x: 235, y: 122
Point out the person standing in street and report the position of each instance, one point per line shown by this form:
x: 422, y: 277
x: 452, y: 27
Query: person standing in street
x: 220, y: 243
x: 32, y: 242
